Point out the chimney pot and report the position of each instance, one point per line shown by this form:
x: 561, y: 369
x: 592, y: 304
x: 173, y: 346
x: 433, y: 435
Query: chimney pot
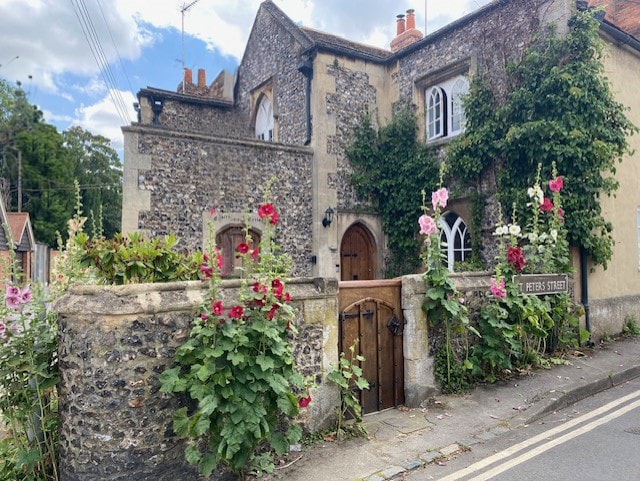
x: 400, y: 24
x: 188, y: 76
x: 411, y: 19
x: 202, y: 78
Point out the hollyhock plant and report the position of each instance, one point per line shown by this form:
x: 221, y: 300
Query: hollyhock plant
x: 439, y: 198
x: 515, y: 258
x: 547, y: 205
x: 236, y: 312
x: 498, y: 288
x: 427, y: 225
x: 267, y: 211
x: 555, y: 185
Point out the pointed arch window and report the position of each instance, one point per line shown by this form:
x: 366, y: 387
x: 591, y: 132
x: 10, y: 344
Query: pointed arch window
x: 455, y: 239
x: 264, y: 120
x: 436, y: 115
x: 443, y: 108
x: 459, y: 89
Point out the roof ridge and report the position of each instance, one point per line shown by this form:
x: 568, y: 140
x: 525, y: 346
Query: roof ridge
x: 387, y: 51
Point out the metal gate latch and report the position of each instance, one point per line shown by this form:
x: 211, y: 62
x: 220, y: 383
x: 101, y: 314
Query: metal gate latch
x: 395, y: 326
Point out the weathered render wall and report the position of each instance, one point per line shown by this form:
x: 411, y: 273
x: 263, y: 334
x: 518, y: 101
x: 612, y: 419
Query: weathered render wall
x: 615, y: 293
x: 171, y: 179
x: 115, y: 341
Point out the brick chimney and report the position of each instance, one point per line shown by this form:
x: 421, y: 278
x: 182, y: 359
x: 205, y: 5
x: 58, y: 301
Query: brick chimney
x: 408, y: 34
x: 202, y: 78
x: 188, y: 76
x: 400, y: 24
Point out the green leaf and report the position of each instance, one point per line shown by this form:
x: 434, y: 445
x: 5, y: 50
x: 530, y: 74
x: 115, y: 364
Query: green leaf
x: 279, y: 443
x: 237, y: 358
x: 192, y: 455
x: 181, y: 422
x: 265, y: 363
x: 208, y: 463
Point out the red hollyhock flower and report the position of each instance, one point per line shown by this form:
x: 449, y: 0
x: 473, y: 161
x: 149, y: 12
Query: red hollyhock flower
x: 236, y: 312
x: 204, y: 316
x: 304, y: 401
x: 267, y: 211
x: 221, y: 320
x: 206, y: 270
x: 547, y: 205
x: 217, y: 308
x: 259, y: 288
x: 287, y: 297
x: 278, y: 288
x: 272, y: 311
x: 515, y: 258
x: 255, y: 253
x: 243, y: 248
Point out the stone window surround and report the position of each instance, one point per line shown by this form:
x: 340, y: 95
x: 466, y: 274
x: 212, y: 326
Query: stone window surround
x: 268, y: 89
x: 465, y: 66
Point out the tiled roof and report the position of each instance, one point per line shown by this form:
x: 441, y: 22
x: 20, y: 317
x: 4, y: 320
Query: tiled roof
x: 17, y: 223
x: 624, y: 14
x: 333, y: 42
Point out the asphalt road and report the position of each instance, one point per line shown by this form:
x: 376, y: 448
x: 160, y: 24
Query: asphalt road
x: 597, y: 439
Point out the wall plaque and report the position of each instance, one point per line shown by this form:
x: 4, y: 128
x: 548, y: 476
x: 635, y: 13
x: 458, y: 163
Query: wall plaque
x: 541, y: 284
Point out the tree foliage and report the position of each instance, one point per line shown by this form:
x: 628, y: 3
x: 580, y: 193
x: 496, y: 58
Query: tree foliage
x: 51, y: 161
x: 560, y: 108
x: 391, y: 169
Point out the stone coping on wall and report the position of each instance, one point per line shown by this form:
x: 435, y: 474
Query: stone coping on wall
x: 233, y: 141
x: 174, y: 296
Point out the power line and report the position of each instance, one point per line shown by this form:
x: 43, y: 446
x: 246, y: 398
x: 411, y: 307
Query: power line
x: 115, y: 47
x: 105, y: 62
x: 93, y: 41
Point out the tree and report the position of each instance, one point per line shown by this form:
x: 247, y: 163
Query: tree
x: 98, y: 170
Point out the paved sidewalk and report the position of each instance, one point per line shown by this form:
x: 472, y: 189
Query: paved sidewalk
x: 401, y: 440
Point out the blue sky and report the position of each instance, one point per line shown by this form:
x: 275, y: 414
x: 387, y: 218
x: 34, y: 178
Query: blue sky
x: 42, y: 45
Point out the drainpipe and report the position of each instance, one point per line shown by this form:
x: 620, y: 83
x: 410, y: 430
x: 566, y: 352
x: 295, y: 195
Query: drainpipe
x: 306, y: 68
x: 584, y: 288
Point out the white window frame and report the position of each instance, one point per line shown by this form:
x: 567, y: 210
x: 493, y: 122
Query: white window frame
x: 435, y: 113
x: 459, y: 228
x: 451, y: 120
x: 264, y: 120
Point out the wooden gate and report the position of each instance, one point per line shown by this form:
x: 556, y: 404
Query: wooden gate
x: 370, y: 312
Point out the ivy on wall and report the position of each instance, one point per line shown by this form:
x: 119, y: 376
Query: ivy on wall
x: 560, y: 108
x: 391, y: 168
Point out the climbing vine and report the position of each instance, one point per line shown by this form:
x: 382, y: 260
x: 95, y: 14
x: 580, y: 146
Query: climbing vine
x: 391, y: 169
x: 560, y: 108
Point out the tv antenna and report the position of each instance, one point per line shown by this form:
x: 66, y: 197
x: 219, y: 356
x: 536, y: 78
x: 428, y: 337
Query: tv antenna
x: 185, y: 6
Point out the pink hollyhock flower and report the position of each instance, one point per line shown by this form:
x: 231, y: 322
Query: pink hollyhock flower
x: 547, y: 205
x: 560, y: 213
x: 212, y: 210
x: 206, y: 270
x: 556, y: 184
x: 236, y: 312
x: 243, y: 248
x: 25, y: 295
x: 427, y: 225
x: 498, y: 289
x: 304, y: 401
x: 440, y: 198
x: 217, y: 308
x: 13, y: 291
x: 204, y: 316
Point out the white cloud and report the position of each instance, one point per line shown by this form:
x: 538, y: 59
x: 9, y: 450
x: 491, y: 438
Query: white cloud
x: 102, y: 117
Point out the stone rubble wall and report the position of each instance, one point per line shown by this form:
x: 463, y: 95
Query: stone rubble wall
x: 191, y: 173
x: 114, y: 343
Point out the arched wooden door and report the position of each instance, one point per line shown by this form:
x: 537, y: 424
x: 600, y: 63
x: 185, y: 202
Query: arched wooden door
x: 356, y: 255
x: 228, y: 241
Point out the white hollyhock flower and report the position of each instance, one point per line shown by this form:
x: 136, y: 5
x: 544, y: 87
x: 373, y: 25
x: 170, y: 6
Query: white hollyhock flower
x: 514, y: 230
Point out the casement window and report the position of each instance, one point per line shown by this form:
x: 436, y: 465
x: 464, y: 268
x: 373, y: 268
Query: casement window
x: 264, y: 120
x: 443, y: 107
x: 455, y: 239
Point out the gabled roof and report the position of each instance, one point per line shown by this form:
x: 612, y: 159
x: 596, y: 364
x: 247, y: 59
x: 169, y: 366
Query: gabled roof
x: 337, y: 44
x: 623, y: 14
x: 21, y: 231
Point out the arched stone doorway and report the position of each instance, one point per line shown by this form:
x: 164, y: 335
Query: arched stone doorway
x: 357, y: 254
x: 227, y: 240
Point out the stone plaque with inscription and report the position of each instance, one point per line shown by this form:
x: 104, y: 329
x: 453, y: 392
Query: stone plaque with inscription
x: 541, y: 284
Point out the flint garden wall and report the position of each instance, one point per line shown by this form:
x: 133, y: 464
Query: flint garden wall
x: 114, y: 343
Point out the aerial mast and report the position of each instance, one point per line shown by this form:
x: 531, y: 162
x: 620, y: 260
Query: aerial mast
x: 185, y: 6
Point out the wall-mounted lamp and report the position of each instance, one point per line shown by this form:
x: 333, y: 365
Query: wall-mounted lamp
x: 328, y: 217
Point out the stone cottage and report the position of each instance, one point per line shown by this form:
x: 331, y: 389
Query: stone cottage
x: 290, y: 108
